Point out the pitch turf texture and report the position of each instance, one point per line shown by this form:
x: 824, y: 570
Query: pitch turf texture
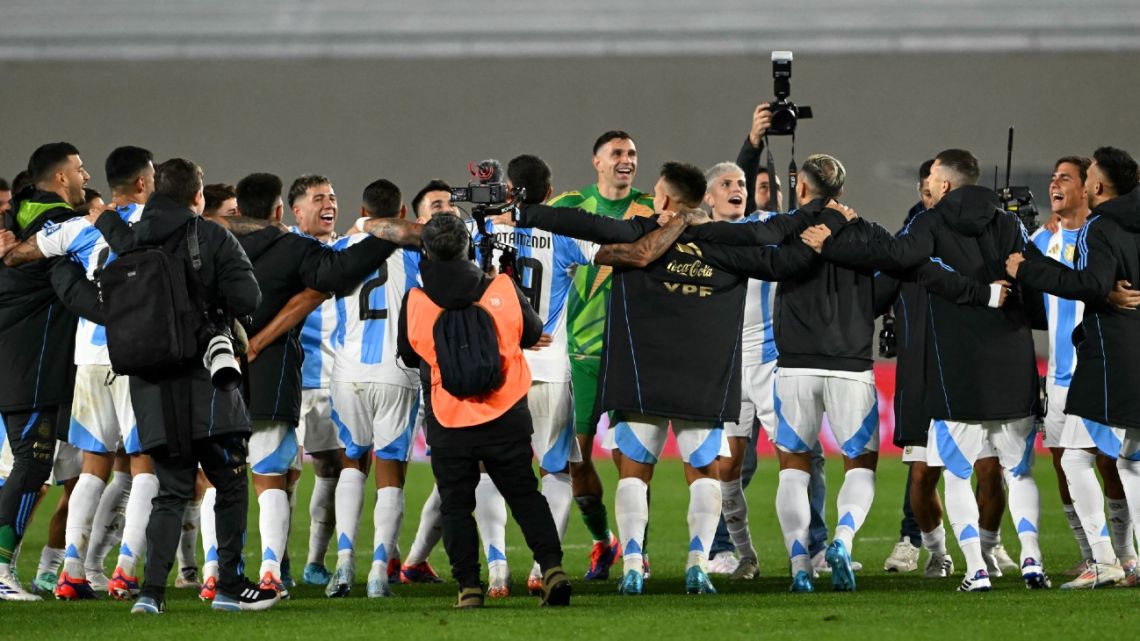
x: 885, y: 606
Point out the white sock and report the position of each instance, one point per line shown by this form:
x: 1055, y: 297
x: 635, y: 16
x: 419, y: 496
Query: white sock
x: 144, y: 488
x: 80, y: 514
x: 1074, y: 522
x: 50, y: 559
x: 491, y: 517
x: 208, y: 526
x: 962, y: 510
x: 349, y: 502
x: 273, y: 523
x: 989, y: 538
x: 1088, y: 503
x: 631, y: 511
x: 1025, y: 507
x: 854, y: 501
x: 935, y: 540
x: 794, y: 514
x: 321, y: 518
x: 107, y: 527
x: 429, y: 531
x: 735, y: 508
x: 188, y: 542
x: 1130, y: 479
x: 1120, y: 525
x: 386, y: 520
x: 704, y: 515
x: 559, y: 494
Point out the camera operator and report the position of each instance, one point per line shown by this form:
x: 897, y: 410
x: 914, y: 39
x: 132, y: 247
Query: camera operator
x: 1101, y: 395
x: 37, y: 339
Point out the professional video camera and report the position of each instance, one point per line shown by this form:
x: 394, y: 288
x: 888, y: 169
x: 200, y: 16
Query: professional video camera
x: 490, y: 199
x: 785, y: 113
x: 1017, y: 200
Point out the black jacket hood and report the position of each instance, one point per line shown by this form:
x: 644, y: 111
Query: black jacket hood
x: 970, y: 209
x: 1123, y: 210
x: 163, y: 217
x: 452, y: 284
x: 257, y: 243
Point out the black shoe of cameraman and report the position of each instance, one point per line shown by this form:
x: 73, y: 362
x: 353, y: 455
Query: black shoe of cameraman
x: 249, y: 597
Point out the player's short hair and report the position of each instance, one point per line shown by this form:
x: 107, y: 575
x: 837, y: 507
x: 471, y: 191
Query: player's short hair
x: 433, y: 185
x: 1082, y: 162
x: 1119, y: 167
x: 924, y: 170
x: 217, y: 193
x: 257, y: 195
x: 124, y: 164
x: 445, y: 237
x: 46, y: 159
x: 687, y: 181
x: 90, y: 194
x: 720, y: 169
x: 382, y: 199
x: 302, y: 184
x: 179, y: 180
x: 533, y: 174
x: 613, y: 134
x: 825, y: 175
x: 961, y: 165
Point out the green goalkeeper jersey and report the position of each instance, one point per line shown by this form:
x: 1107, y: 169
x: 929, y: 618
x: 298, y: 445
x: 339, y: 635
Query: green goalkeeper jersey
x: 586, y: 303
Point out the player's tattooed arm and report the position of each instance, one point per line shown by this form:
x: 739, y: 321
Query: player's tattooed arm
x: 243, y: 225
x: 644, y: 250
x: 25, y: 252
x: 395, y: 230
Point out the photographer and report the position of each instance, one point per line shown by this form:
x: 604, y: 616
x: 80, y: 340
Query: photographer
x: 492, y: 428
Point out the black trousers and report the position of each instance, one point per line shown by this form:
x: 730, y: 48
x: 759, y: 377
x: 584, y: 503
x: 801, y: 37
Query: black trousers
x: 457, y: 473
x: 223, y: 460
x: 32, y: 436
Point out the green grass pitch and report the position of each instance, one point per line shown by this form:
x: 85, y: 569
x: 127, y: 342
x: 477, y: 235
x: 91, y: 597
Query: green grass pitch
x: 884, y: 607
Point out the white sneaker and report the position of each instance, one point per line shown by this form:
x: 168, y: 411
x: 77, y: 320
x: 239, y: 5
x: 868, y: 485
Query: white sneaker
x: 723, y: 563
x: 1097, y: 575
x: 992, y: 567
x: 939, y: 566
x: 11, y: 590
x: 980, y: 582
x: 820, y: 566
x: 746, y: 570
x: 1079, y: 568
x: 1004, y: 562
x: 904, y: 558
x: 98, y: 581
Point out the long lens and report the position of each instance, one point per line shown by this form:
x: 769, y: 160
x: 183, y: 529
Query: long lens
x: 219, y: 359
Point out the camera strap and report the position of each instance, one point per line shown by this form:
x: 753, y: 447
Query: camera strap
x: 793, y: 178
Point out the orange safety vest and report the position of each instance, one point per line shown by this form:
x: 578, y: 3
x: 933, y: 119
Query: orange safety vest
x: 501, y: 301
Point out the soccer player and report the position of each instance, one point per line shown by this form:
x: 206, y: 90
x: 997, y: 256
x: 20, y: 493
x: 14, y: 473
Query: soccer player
x: 313, y: 201
x: 613, y: 196
x: 374, y: 402
x: 1099, y: 406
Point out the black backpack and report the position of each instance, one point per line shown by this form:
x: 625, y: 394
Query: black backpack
x: 152, y: 307
x: 467, y: 351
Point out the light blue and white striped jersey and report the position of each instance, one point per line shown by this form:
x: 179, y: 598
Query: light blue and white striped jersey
x: 547, y: 263
x: 316, y: 333
x: 1063, y: 314
x: 80, y: 241
x: 758, y: 341
x: 366, y: 322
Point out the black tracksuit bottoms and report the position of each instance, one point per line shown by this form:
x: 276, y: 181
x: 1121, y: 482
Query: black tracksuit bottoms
x: 509, y: 465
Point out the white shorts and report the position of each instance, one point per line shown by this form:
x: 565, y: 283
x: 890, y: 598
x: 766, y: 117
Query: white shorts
x: 375, y: 416
x: 1082, y: 434
x: 1130, y: 444
x: 757, y: 400
x: 316, y: 431
x: 957, y: 446
x: 67, y: 465
x: 914, y: 454
x: 1054, y: 425
x: 552, y: 411
x: 642, y: 438
x: 273, y: 448
x: 851, y: 406
x: 102, y: 419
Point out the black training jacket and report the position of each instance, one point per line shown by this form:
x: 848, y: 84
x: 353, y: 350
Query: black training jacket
x: 285, y: 264
x: 673, y: 327
x: 1107, y: 377
x: 37, y: 333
